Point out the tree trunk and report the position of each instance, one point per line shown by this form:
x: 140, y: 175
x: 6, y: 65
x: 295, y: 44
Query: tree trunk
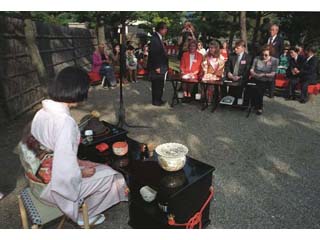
x: 256, y: 37
x: 30, y: 35
x: 232, y: 30
x: 100, y: 29
x: 243, y: 27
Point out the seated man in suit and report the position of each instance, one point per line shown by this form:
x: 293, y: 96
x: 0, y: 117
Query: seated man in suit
x: 308, y: 72
x: 237, y: 70
x: 293, y: 71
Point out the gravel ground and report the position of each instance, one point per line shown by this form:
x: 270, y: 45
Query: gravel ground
x: 267, y: 166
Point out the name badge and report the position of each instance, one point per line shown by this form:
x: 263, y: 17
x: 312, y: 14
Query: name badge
x: 195, y: 60
x: 243, y: 62
x: 269, y: 63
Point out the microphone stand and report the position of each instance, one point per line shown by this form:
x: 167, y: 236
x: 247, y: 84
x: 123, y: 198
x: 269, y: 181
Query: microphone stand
x: 121, y: 112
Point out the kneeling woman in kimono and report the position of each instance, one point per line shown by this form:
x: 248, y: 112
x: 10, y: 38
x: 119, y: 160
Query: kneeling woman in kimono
x: 73, y: 180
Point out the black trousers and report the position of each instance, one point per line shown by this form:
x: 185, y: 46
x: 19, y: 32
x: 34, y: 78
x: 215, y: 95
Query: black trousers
x: 260, y: 90
x: 157, y: 84
x: 293, y: 82
x: 234, y: 91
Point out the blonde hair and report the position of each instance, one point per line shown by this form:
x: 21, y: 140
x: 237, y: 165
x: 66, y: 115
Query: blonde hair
x: 216, y: 45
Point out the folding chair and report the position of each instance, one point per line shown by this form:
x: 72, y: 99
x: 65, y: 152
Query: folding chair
x: 38, y: 213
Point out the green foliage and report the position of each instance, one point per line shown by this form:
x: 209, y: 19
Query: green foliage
x: 174, y: 20
x: 301, y: 27
x: 297, y: 27
x: 215, y: 24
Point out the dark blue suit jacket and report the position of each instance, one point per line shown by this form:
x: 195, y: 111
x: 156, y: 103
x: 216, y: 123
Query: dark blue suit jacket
x: 295, y: 64
x: 309, y: 70
x: 277, y: 47
x: 157, y: 55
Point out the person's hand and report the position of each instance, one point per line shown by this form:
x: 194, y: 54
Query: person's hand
x: 158, y: 70
x: 236, y: 78
x: 87, y: 172
x: 88, y: 164
x: 230, y: 76
x: 259, y: 75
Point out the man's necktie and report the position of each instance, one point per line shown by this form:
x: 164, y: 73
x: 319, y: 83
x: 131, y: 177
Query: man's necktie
x: 236, y: 66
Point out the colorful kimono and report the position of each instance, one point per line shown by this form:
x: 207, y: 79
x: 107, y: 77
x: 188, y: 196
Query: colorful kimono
x: 213, y: 68
x: 54, y: 128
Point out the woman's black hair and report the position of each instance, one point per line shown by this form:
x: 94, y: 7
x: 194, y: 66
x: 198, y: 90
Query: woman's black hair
x: 71, y: 85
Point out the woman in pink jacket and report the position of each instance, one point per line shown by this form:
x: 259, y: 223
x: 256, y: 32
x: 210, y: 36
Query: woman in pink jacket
x: 101, y: 64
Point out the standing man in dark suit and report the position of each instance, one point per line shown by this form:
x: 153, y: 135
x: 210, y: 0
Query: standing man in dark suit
x: 158, y: 63
x: 276, y: 48
x: 237, y: 70
x: 308, y: 73
x: 293, y: 71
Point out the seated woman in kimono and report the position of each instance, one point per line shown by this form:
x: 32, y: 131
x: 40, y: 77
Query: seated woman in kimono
x: 190, y: 67
x: 213, y: 67
x: 72, y: 180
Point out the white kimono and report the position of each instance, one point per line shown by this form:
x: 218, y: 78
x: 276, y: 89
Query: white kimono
x: 54, y: 128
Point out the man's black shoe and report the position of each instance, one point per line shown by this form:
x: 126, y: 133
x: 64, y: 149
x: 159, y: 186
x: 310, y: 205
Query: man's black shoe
x: 158, y: 104
x: 163, y: 103
x: 303, y: 101
x: 290, y: 98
